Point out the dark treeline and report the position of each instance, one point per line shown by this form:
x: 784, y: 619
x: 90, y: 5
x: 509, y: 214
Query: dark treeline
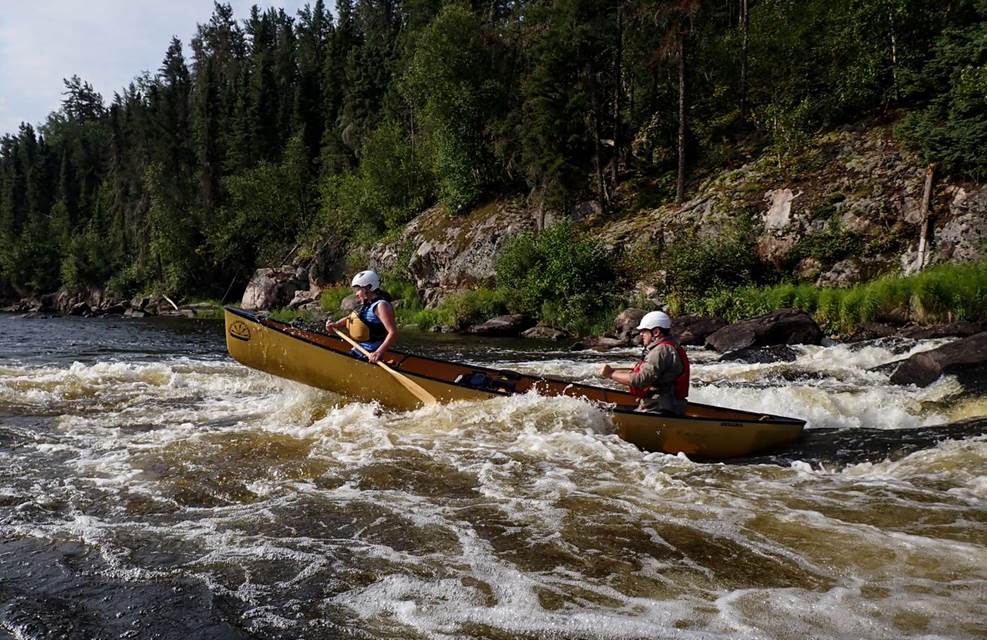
x: 275, y: 131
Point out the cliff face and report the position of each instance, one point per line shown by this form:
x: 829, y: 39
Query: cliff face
x: 847, y: 208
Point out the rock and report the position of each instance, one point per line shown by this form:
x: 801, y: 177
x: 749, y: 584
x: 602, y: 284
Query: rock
x: 350, y: 303
x: 762, y: 355
x: 80, y: 309
x: 775, y: 249
x: 855, y: 270
x: 778, y: 215
x: 954, y: 329
x: 138, y: 303
x: 328, y: 265
x: 445, y: 253
x: 114, y: 309
x: 963, y: 235
x: 872, y: 331
x: 784, y: 326
x: 304, y: 297
x: 967, y: 355
x: 605, y: 343
x: 694, y: 329
x: 509, y: 325
x: 270, y: 289
x: 625, y: 324
x: 808, y: 269
x: 541, y: 332
x: 133, y: 313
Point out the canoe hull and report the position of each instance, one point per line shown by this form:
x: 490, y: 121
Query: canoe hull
x: 325, y: 362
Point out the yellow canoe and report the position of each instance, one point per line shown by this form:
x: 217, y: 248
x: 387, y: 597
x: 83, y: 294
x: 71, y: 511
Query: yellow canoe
x: 324, y: 362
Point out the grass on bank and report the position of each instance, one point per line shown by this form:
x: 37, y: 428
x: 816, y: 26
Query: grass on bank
x: 944, y: 293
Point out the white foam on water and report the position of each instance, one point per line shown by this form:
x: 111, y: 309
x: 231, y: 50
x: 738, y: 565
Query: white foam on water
x: 529, y: 459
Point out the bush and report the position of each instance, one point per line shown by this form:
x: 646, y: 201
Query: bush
x: 460, y: 310
x: 331, y: 299
x: 559, y: 276
x: 696, y: 265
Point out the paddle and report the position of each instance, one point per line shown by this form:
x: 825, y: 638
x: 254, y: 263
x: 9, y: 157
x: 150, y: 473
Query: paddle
x: 409, y: 384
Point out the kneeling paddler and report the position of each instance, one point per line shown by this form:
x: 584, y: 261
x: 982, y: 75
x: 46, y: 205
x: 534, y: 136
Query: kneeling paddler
x: 660, y: 380
x: 373, y: 325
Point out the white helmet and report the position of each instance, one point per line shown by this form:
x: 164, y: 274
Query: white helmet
x: 366, y: 279
x: 655, y: 319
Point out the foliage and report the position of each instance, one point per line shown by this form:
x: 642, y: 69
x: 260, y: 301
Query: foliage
x: 942, y: 293
x: 559, y: 276
x: 450, y: 81
x: 952, y: 128
x: 274, y: 129
x: 385, y: 191
x: 462, y: 309
x: 331, y: 299
x: 696, y: 264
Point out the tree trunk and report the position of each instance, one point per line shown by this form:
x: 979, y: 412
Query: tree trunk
x: 680, y: 177
x: 618, y: 89
x: 921, y: 259
x: 598, y: 150
x: 744, y: 31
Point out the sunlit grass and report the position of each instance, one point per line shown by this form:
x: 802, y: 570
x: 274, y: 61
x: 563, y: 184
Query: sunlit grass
x: 944, y: 293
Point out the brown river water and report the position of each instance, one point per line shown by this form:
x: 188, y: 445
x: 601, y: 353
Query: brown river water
x: 150, y: 487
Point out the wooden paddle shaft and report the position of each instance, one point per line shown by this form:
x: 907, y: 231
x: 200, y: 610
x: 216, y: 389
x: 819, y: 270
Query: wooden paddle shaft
x: 409, y: 384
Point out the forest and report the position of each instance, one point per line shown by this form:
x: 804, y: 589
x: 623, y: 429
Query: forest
x: 272, y: 132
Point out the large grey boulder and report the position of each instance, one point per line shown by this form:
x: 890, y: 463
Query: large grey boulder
x: 625, y: 324
x: 542, y: 332
x: 272, y: 288
x: 965, y: 356
x: 693, y: 329
x: 784, y: 326
x: 509, y: 325
x: 444, y: 253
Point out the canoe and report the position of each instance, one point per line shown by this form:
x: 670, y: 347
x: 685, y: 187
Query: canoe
x: 325, y: 362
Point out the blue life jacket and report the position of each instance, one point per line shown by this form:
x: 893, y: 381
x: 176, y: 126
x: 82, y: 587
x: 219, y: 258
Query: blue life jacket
x: 368, y: 314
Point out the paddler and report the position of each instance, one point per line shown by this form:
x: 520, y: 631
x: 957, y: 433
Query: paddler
x: 660, y: 380
x: 373, y: 325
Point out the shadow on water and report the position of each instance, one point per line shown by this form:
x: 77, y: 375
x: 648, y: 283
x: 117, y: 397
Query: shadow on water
x: 57, y: 591
x: 843, y: 447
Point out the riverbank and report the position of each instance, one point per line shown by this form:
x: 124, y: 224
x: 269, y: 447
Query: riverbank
x: 944, y: 301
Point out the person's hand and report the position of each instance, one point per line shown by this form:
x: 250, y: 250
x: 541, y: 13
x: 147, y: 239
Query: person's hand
x: 606, y: 371
x: 373, y: 357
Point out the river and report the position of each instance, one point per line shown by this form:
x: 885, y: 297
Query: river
x: 150, y: 487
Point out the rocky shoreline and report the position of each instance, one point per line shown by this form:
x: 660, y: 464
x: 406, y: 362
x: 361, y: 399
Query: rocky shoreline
x: 96, y: 303
x: 765, y: 338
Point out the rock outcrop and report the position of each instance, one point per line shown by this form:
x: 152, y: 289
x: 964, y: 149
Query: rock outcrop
x: 694, y: 329
x: 445, y: 253
x: 272, y: 288
x: 784, y: 326
x: 503, y: 326
x: 965, y: 356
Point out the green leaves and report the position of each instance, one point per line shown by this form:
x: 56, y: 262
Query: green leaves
x: 559, y: 276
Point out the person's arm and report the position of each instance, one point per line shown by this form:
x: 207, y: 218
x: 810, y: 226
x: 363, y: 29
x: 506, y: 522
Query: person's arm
x: 623, y: 376
x: 385, y: 312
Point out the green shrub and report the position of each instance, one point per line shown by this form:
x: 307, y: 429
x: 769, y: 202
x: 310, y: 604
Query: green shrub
x: 330, y: 299
x: 460, y: 310
x: 697, y: 264
x: 559, y: 276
